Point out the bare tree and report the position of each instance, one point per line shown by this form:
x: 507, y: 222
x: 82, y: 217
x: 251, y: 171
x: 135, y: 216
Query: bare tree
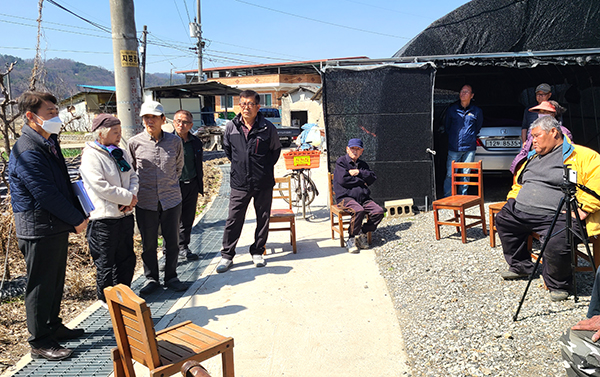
x: 37, y: 62
x: 7, y: 127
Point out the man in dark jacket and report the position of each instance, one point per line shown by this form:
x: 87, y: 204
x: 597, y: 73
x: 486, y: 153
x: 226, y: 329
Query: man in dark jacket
x: 252, y: 145
x: 191, y: 180
x: 45, y: 210
x: 463, y: 123
x: 351, y: 180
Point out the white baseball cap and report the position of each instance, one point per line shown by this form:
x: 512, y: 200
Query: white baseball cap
x: 152, y: 108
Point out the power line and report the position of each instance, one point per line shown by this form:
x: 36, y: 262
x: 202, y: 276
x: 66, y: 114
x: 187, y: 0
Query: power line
x: 250, y: 56
x: 390, y: 10
x: 254, y: 49
x: 80, y: 52
x: 101, y: 27
x: 46, y: 22
x: 179, y: 14
x: 322, y: 22
x: 187, y: 11
x: 166, y: 43
x: 49, y: 28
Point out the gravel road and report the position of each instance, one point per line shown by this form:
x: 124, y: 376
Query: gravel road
x: 456, y: 311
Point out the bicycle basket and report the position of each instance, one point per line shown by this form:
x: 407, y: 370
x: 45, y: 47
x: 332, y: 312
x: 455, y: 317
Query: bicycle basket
x: 302, y: 159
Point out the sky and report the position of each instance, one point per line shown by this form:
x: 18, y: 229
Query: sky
x: 236, y: 32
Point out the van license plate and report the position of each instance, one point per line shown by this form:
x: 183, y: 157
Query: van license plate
x: 503, y: 143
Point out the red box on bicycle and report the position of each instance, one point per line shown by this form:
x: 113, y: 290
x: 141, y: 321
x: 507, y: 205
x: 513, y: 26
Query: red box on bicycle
x: 302, y: 159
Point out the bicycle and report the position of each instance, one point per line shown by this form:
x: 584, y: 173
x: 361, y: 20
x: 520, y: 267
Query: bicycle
x: 304, y: 189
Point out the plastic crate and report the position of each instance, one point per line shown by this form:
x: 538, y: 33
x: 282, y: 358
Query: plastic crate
x: 302, y: 159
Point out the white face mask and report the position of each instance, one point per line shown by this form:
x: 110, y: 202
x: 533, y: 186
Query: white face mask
x: 51, y: 125
x: 543, y: 115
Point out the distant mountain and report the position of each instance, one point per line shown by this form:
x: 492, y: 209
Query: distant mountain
x: 61, y: 76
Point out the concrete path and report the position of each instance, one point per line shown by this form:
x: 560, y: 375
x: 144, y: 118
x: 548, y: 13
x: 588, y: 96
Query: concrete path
x: 320, y: 312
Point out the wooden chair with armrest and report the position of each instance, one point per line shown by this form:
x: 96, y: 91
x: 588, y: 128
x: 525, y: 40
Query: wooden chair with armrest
x: 163, y: 352
x: 283, y: 190
x: 339, y: 219
x: 460, y: 203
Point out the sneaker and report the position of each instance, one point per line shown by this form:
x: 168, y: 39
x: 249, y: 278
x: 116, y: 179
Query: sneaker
x: 176, y: 285
x: 149, y: 287
x: 351, y: 245
x: 224, y: 265
x: 189, y: 255
x: 558, y: 295
x: 509, y: 275
x: 362, y: 241
x: 258, y: 260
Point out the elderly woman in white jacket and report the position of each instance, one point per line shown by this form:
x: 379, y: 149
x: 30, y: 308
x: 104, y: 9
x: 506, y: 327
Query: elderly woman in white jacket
x: 112, y: 186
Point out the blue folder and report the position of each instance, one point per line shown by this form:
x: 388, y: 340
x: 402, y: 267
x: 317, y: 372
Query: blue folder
x: 83, y: 197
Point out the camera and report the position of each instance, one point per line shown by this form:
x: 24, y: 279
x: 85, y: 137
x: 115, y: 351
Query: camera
x: 569, y: 175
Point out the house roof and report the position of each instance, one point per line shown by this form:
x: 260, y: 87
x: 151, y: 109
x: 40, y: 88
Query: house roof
x: 268, y: 65
x: 504, y: 26
x: 101, y: 88
x: 206, y: 88
x: 312, y: 89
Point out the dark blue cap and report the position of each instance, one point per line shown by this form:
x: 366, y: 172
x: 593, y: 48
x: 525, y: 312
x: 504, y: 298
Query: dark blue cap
x: 355, y: 143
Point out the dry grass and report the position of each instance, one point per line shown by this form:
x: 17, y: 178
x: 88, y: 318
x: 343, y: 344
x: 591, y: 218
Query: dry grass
x: 80, y: 284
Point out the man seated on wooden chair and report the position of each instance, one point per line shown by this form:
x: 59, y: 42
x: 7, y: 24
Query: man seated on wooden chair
x: 351, y: 180
x: 533, y: 201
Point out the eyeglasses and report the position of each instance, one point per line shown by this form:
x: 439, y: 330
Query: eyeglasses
x: 247, y: 104
x: 184, y: 122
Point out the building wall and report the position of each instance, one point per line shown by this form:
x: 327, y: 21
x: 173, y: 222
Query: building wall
x: 276, y: 85
x: 300, y: 101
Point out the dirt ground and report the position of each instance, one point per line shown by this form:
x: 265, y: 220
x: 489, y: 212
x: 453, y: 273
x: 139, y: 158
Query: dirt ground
x: 80, y: 281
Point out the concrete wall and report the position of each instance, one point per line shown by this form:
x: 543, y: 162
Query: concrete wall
x: 300, y: 101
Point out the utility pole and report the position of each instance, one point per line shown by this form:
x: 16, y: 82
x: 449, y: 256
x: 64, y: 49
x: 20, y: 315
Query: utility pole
x: 143, y: 53
x: 127, y: 74
x: 196, y: 32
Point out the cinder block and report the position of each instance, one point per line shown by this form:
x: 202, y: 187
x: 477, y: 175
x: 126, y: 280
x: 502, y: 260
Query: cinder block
x: 399, y: 208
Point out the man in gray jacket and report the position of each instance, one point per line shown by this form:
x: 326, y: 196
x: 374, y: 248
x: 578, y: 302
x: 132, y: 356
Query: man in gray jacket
x: 158, y: 160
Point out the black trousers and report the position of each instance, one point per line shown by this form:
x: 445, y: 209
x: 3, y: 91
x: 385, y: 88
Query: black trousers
x: 46, y: 260
x: 111, y: 247
x: 238, y: 205
x: 148, y: 222
x: 189, y: 194
x: 515, y: 226
x: 359, y: 212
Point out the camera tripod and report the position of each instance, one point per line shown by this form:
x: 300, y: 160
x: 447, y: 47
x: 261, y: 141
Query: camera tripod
x: 571, y: 205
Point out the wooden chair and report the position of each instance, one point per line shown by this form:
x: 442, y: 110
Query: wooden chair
x: 164, y: 352
x: 340, y: 219
x: 283, y: 190
x: 460, y: 203
x: 594, y: 243
x: 494, y: 209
